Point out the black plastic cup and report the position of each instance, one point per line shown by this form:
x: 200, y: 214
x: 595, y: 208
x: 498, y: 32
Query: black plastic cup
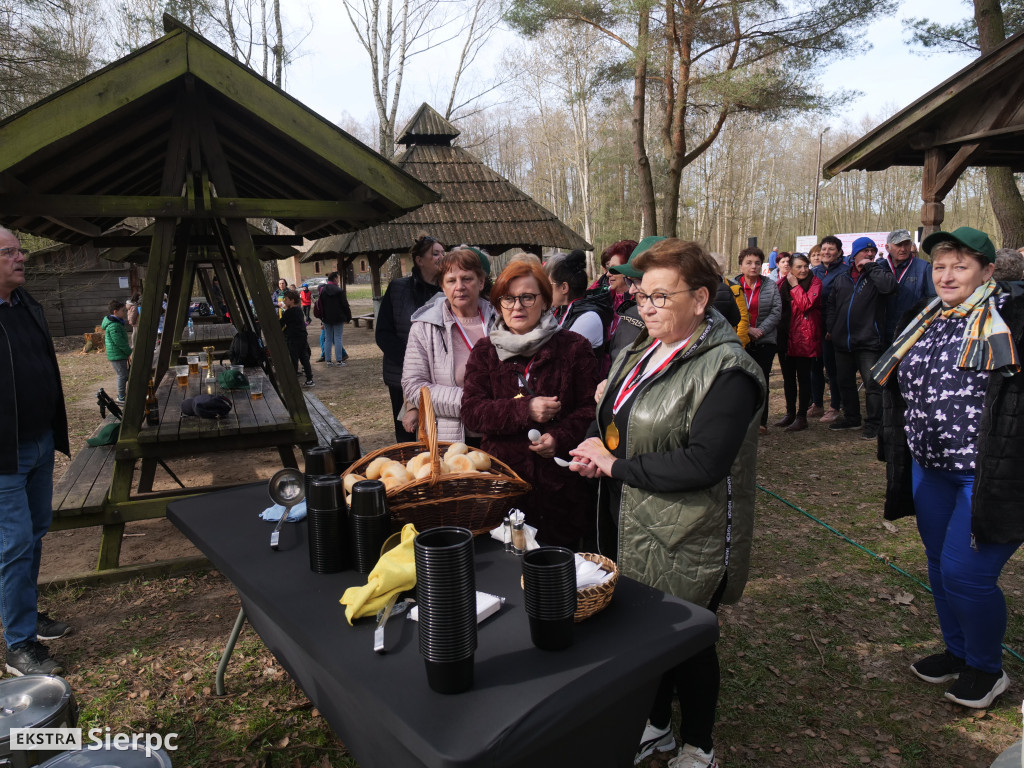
x: 328, y: 525
x: 446, y: 593
x: 450, y: 676
x: 551, y: 634
x: 369, y: 524
x: 346, y: 451
x: 319, y: 461
x: 549, y: 590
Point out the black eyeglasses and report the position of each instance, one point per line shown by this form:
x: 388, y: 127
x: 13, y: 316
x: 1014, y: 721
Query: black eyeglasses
x: 526, y: 300
x: 658, y: 299
x: 12, y: 251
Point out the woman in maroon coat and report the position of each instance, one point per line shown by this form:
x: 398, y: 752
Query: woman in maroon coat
x: 530, y: 374
x: 801, y: 291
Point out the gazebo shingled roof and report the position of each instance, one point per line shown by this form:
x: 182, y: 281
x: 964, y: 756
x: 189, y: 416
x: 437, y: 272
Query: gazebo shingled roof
x: 974, y: 118
x: 477, y: 205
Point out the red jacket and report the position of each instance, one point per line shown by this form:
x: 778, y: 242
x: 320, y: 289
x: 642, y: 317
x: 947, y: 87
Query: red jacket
x: 805, y: 328
x: 561, y: 504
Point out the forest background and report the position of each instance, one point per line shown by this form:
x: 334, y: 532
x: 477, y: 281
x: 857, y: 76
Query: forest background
x: 694, y: 118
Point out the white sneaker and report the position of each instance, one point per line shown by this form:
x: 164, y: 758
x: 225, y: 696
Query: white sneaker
x: 654, y: 740
x: 693, y: 757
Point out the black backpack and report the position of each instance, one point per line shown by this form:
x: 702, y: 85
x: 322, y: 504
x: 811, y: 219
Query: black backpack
x: 246, y: 349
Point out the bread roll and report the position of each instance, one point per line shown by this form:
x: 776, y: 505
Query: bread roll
x: 391, y: 482
x: 391, y: 468
x: 423, y: 471
x: 481, y: 461
x: 351, y: 480
x: 373, y: 471
x: 455, y: 449
x: 460, y: 462
x: 398, y: 472
x: 418, y: 461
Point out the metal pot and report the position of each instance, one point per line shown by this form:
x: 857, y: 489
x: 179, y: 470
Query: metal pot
x: 33, y: 701
x: 110, y: 758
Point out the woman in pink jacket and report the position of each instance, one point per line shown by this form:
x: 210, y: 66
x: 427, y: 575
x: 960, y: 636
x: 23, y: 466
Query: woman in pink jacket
x: 802, y: 292
x: 443, y: 333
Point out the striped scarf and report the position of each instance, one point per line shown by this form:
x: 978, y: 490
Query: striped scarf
x: 987, y: 344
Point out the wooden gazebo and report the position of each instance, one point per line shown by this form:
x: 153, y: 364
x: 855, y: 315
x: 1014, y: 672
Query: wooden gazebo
x: 975, y: 118
x: 477, y: 205
x: 181, y: 133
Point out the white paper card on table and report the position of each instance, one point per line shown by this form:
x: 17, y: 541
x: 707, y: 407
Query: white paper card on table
x: 486, y: 605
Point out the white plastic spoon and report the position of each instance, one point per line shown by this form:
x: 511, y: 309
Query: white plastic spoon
x: 534, y: 435
x: 563, y: 463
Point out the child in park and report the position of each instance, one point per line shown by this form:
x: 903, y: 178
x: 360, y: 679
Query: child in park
x: 294, y: 326
x: 115, y: 338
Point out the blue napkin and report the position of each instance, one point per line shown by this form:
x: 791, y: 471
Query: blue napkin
x: 273, y: 513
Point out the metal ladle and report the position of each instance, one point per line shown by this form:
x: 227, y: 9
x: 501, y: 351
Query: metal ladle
x: 287, y: 488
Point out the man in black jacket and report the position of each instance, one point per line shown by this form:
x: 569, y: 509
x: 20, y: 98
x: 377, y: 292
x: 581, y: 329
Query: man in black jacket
x: 335, y: 313
x: 855, y: 322
x: 32, y: 403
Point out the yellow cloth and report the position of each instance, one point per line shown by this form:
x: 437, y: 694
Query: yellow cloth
x: 394, y: 572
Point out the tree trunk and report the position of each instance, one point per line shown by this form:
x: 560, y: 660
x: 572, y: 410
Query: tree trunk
x: 1005, y: 197
x: 279, y: 48
x: 649, y: 211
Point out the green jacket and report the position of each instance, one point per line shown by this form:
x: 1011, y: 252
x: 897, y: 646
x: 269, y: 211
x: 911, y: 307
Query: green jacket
x: 680, y: 542
x: 115, y: 339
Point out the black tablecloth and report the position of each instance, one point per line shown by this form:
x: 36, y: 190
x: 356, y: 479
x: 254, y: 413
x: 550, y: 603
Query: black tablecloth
x: 585, y: 705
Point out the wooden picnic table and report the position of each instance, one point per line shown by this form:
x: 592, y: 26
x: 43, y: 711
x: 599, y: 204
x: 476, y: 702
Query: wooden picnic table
x: 216, y: 335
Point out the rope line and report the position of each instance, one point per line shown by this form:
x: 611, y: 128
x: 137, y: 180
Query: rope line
x: 861, y: 547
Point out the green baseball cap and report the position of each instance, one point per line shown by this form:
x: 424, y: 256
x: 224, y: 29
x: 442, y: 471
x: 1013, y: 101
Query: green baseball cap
x: 628, y: 269
x: 969, y: 237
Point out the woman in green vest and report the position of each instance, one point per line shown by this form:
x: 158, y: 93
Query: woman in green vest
x: 675, y: 447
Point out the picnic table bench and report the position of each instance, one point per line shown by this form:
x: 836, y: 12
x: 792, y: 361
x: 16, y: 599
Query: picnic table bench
x: 82, y: 496
x: 367, y: 318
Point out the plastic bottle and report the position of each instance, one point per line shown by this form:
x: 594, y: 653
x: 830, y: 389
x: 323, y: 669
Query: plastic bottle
x: 191, y: 328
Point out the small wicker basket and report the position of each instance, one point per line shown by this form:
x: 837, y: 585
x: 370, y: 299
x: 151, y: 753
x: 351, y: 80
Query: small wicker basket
x: 474, y: 500
x: 594, y: 599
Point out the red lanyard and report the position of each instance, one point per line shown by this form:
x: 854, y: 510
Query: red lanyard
x: 526, y: 371
x: 462, y: 331
x: 892, y: 265
x: 636, y: 378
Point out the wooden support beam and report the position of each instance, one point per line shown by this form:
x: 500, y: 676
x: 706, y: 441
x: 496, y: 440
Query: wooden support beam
x: 142, y: 241
x: 60, y: 208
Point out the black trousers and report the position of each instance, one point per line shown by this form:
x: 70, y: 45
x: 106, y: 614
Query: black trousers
x: 763, y: 355
x: 397, y: 400
x: 847, y: 366
x: 824, y: 369
x: 796, y: 382
x: 696, y: 682
x: 301, y: 355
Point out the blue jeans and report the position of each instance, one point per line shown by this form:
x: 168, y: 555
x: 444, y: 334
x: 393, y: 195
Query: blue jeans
x: 970, y: 605
x: 121, y: 369
x: 25, y: 514
x: 323, y: 342
x: 332, y: 340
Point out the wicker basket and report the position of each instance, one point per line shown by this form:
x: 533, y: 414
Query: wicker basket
x: 474, y: 500
x: 593, y: 599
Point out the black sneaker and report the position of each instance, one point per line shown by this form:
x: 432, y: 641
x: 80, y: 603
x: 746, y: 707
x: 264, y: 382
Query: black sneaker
x: 31, y: 658
x: 321, y: 360
x: 939, y: 667
x: 50, y: 629
x: 309, y: 383
x: 344, y: 358
x: 870, y: 432
x: 844, y: 423
x: 974, y: 688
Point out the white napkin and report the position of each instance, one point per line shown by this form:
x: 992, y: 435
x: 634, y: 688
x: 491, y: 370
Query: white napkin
x: 589, y: 574
x: 274, y: 511
x: 486, y: 605
x: 498, y: 534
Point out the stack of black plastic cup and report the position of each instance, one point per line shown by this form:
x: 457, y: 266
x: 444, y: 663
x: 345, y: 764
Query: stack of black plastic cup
x: 369, y: 523
x: 328, y: 525
x: 346, y: 451
x: 319, y: 461
x: 446, y: 595
x: 549, y: 585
